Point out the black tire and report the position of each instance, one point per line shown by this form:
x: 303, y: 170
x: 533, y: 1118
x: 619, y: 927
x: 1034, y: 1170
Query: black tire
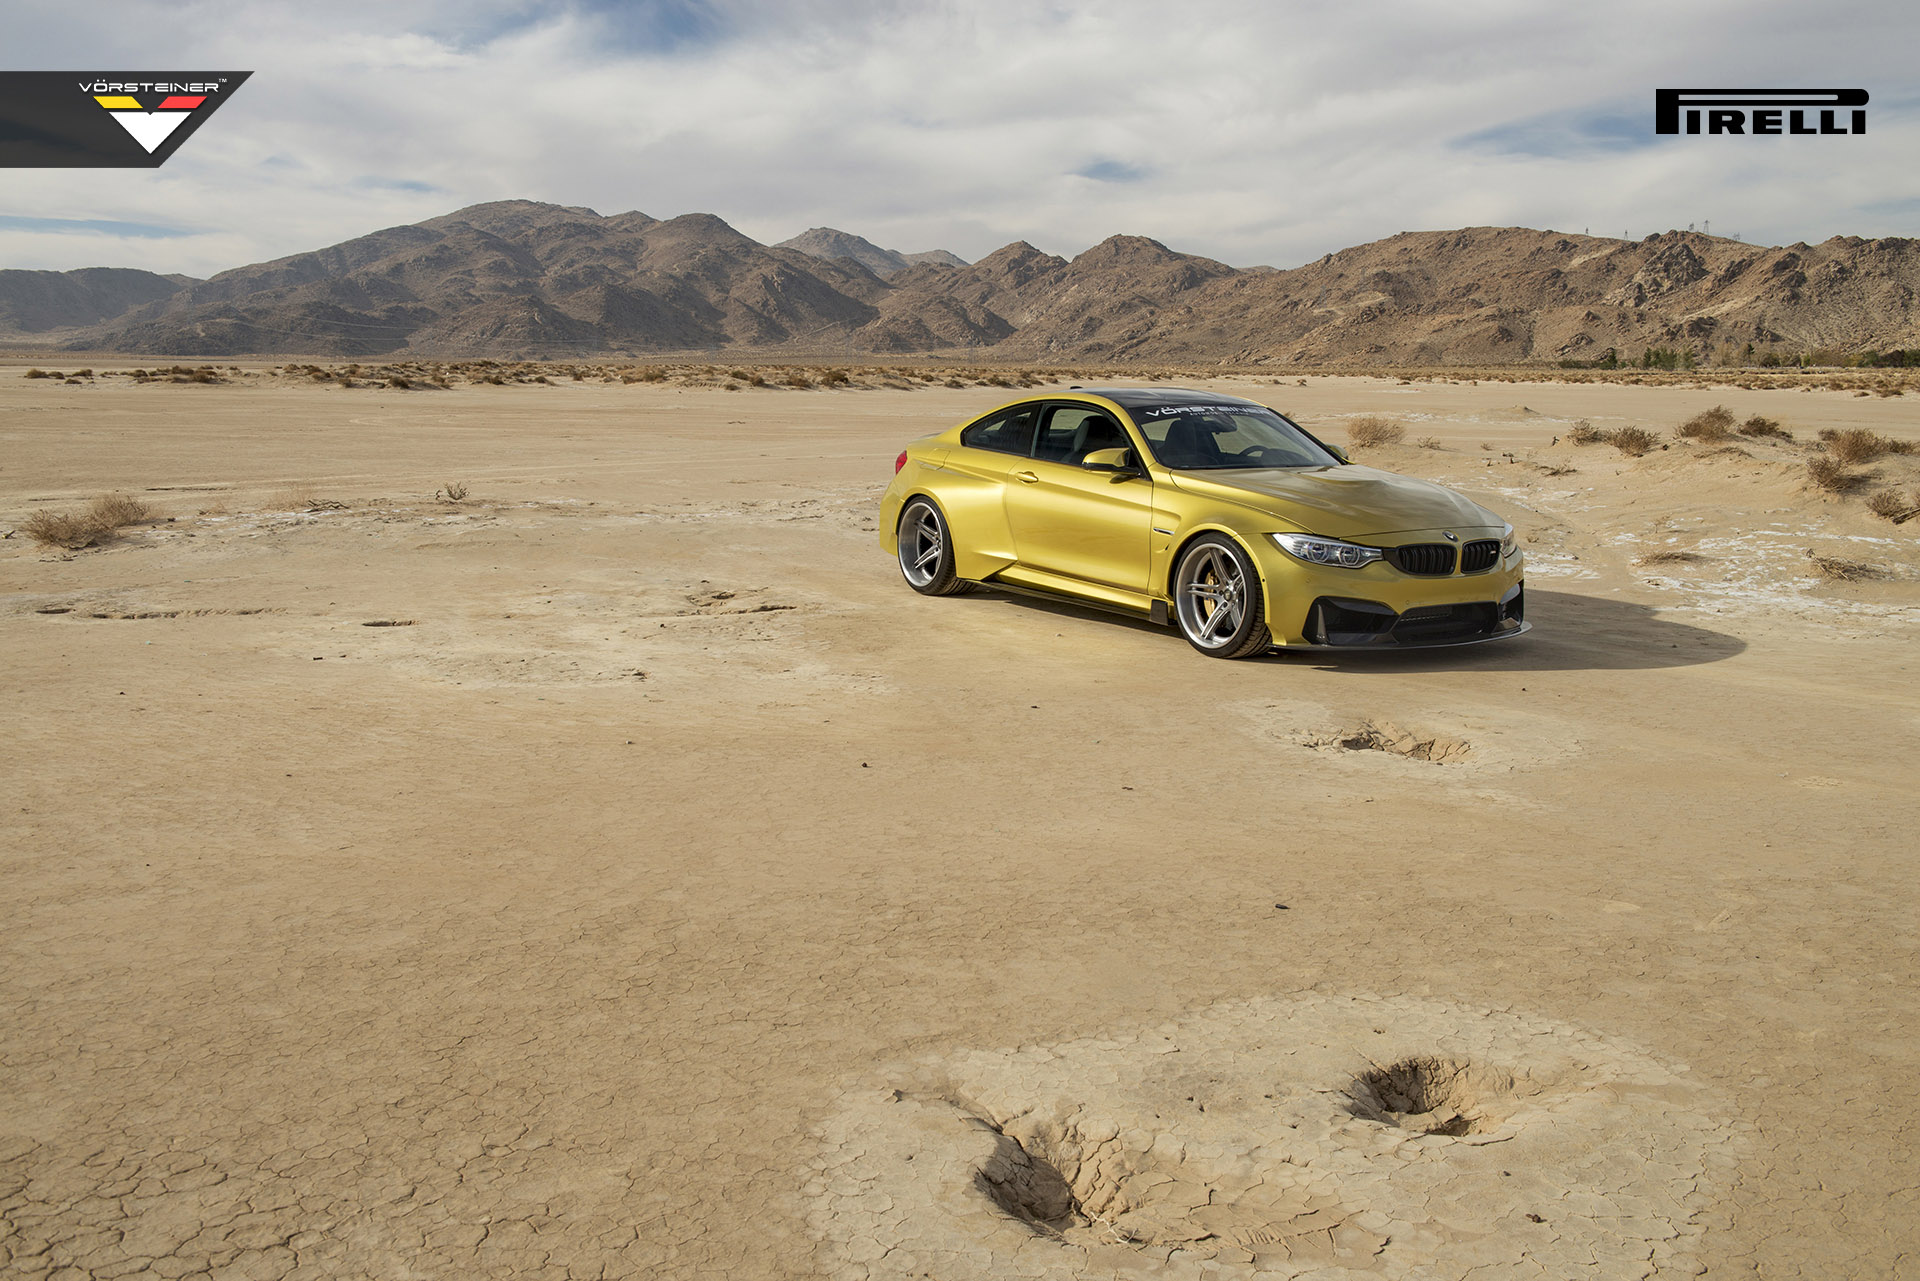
x: 926, y: 550
x: 1218, y: 600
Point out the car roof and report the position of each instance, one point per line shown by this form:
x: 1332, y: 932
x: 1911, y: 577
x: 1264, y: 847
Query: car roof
x: 1154, y: 397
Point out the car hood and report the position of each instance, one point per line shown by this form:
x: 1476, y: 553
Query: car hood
x: 1342, y: 502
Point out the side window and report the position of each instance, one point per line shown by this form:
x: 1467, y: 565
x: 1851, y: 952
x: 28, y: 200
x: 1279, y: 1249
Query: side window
x: 1007, y: 432
x: 1073, y: 431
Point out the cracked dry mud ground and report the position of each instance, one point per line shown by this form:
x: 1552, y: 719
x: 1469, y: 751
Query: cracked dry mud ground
x: 1281, y: 1137
x: 421, y: 960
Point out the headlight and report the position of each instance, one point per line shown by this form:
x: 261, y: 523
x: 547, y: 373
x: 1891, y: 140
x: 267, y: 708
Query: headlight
x: 1326, y: 551
x: 1508, y: 543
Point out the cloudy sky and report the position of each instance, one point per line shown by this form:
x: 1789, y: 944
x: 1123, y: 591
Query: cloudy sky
x: 1250, y: 132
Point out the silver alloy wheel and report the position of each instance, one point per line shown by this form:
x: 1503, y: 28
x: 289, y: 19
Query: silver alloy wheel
x: 1210, y: 596
x: 922, y: 538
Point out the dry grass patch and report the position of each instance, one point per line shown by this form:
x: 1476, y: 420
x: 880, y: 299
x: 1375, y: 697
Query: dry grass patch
x: 92, y: 525
x: 1633, y: 441
x: 1855, y: 445
x: 1838, y: 570
x: 1714, y: 424
x: 1670, y: 558
x: 1372, y: 430
x: 1828, y: 473
x: 1894, y: 506
x: 1761, y: 426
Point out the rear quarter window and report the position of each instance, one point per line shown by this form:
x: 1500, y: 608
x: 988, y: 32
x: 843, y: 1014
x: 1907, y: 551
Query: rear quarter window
x: 1008, y: 432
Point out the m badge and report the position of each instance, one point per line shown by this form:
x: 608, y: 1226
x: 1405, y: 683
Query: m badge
x: 105, y: 120
x: 1758, y: 111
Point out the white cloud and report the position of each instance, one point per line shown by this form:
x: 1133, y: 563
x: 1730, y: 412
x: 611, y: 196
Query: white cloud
x: 1250, y: 132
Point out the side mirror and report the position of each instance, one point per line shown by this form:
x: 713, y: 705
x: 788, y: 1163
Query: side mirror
x: 1339, y: 453
x: 1120, y: 461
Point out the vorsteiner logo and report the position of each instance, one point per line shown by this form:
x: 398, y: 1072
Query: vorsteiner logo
x: 1758, y: 111
x: 104, y: 120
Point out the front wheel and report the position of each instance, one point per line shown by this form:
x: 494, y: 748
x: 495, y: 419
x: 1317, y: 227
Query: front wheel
x: 1218, y: 601
x: 926, y: 553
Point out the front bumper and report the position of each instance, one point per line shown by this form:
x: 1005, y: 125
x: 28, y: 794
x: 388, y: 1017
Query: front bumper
x: 1379, y: 606
x: 1337, y: 623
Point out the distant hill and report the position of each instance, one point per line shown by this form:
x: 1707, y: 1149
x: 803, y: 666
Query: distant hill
x: 36, y: 301
x: 825, y: 242
x: 520, y: 279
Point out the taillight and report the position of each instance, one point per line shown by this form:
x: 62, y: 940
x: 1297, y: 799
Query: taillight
x: 900, y: 462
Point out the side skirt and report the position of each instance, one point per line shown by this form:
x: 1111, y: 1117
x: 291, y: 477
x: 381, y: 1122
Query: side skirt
x: 1149, y: 611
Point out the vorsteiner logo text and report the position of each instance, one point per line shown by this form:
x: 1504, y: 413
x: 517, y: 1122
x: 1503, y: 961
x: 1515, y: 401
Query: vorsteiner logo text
x: 1760, y: 111
x: 105, y: 119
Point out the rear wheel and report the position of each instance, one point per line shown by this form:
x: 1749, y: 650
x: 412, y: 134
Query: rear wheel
x: 1218, y: 600
x: 926, y: 553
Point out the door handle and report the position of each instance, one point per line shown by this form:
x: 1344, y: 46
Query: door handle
x: 1026, y: 478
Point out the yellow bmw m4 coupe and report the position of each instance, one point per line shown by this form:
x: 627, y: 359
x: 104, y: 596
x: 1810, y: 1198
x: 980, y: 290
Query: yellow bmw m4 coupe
x: 1211, y: 513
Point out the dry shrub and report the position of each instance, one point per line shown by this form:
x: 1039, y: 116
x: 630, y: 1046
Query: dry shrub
x: 1709, y: 424
x: 39, y: 373
x: 1371, y: 430
x: 1759, y: 426
x: 1835, y: 569
x: 88, y: 527
x: 71, y: 530
x: 1633, y: 441
x: 1826, y: 472
x: 1428, y: 442
x: 453, y: 493
x: 800, y: 381
x: 1855, y: 445
x: 112, y: 511
x: 1585, y: 433
x: 1670, y: 558
x: 1898, y: 509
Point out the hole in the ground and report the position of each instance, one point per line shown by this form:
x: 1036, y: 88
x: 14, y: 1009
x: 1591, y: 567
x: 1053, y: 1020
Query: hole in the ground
x: 1379, y: 736
x: 1081, y: 1181
x: 1433, y: 1095
x: 1029, y: 1187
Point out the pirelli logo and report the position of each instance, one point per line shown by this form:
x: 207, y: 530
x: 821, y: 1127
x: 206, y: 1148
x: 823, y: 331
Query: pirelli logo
x: 1760, y: 111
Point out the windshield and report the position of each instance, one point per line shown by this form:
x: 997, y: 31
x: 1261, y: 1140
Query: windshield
x: 1201, y: 436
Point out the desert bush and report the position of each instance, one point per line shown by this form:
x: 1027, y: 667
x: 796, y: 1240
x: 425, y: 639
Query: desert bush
x: 799, y: 380
x: 1759, y: 426
x: 1371, y: 429
x: 453, y: 492
x: 1855, y: 445
x: 1585, y: 433
x: 112, y: 511
x: 1709, y: 424
x: 71, y: 530
x: 39, y: 373
x: 1895, y: 507
x: 90, y: 526
x: 1633, y: 441
x: 834, y: 378
x: 1670, y: 558
x: 1827, y: 472
x: 1838, y: 570
x: 1428, y: 442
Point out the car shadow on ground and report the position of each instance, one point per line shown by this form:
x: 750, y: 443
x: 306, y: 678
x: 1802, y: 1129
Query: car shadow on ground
x: 1570, y: 632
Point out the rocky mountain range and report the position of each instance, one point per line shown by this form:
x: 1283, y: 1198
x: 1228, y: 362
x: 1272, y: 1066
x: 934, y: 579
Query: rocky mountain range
x: 520, y: 279
x: 825, y: 242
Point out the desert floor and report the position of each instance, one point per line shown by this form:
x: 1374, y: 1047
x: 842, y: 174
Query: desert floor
x: 677, y: 894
